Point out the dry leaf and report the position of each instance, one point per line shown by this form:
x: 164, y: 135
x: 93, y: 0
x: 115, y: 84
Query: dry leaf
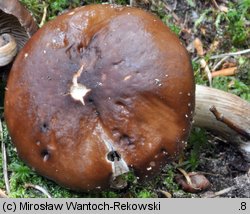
x: 198, y: 182
x: 207, y: 70
x: 223, y: 8
x: 214, y: 46
x: 225, y: 72
x: 198, y: 46
x: 203, y: 30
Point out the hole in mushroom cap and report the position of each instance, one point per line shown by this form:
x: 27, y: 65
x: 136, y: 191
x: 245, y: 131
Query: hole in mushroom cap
x: 126, y: 139
x: 44, y: 127
x: 113, y: 155
x: 45, y: 154
x: 90, y: 100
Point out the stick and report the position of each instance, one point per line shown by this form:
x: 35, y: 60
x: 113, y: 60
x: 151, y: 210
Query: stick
x: 229, y: 123
x: 44, y: 14
x: 221, y: 192
x: 219, y: 63
x: 4, y: 163
x: 187, y: 177
x: 225, y: 72
x: 165, y: 193
x: 215, y: 4
x: 39, y: 188
x: 207, y: 70
x: 230, y: 54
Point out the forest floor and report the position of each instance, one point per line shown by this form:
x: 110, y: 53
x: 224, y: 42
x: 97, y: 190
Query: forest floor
x: 207, y: 29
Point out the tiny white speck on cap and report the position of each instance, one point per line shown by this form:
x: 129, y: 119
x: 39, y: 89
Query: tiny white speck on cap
x: 26, y: 55
x: 127, y: 77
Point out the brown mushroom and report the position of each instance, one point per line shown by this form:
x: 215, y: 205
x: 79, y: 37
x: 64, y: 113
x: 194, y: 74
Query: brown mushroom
x: 98, y: 91
x: 16, y: 27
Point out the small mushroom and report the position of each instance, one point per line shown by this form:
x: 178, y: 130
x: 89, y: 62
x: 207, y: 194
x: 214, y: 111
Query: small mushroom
x: 98, y: 91
x: 8, y: 49
x: 16, y: 27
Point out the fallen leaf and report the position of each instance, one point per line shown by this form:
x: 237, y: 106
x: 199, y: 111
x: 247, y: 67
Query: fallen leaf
x: 225, y: 72
x: 223, y: 8
x: 198, y: 46
x: 214, y: 46
x: 198, y: 182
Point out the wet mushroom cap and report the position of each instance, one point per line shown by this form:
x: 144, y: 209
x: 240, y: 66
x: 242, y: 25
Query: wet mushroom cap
x: 137, y: 104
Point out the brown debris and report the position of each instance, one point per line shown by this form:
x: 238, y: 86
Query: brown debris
x: 198, y: 47
x: 225, y: 72
x: 198, y: 182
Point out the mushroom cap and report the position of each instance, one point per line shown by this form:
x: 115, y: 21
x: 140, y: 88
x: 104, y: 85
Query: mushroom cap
x: 16, y: 20
x: 140, y: 102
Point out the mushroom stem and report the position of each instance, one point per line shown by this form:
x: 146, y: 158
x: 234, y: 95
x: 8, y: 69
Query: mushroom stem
x: 235, y: 110
x: 8, y: 49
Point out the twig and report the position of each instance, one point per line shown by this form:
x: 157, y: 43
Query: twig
x: 187, y: 177
x: 207, y: 70
x: 4, y: 163
x: 131, y: 3
x: 225, y: 72
x: 174, y: 5
x: 208, y: 173
x: 2, y: 194
x: 219, y: 63
x: 166, y: 194
x: 215, y: 4
x: 229, y: 123
x: 230, y: 54
x: 45, y: 6
x: 39, y: 188
x: 221, y: 192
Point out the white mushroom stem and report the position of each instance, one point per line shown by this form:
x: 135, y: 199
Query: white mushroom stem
x: 8, y: 49
x: 226, y: 114
x: 78, y: 91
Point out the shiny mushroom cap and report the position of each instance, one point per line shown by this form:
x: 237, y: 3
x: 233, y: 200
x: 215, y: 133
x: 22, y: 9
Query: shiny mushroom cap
x: 97, y: 92
x: 16, y: 27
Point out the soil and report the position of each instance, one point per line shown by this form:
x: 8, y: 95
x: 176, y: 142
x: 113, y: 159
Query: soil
x: 226, y: 168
